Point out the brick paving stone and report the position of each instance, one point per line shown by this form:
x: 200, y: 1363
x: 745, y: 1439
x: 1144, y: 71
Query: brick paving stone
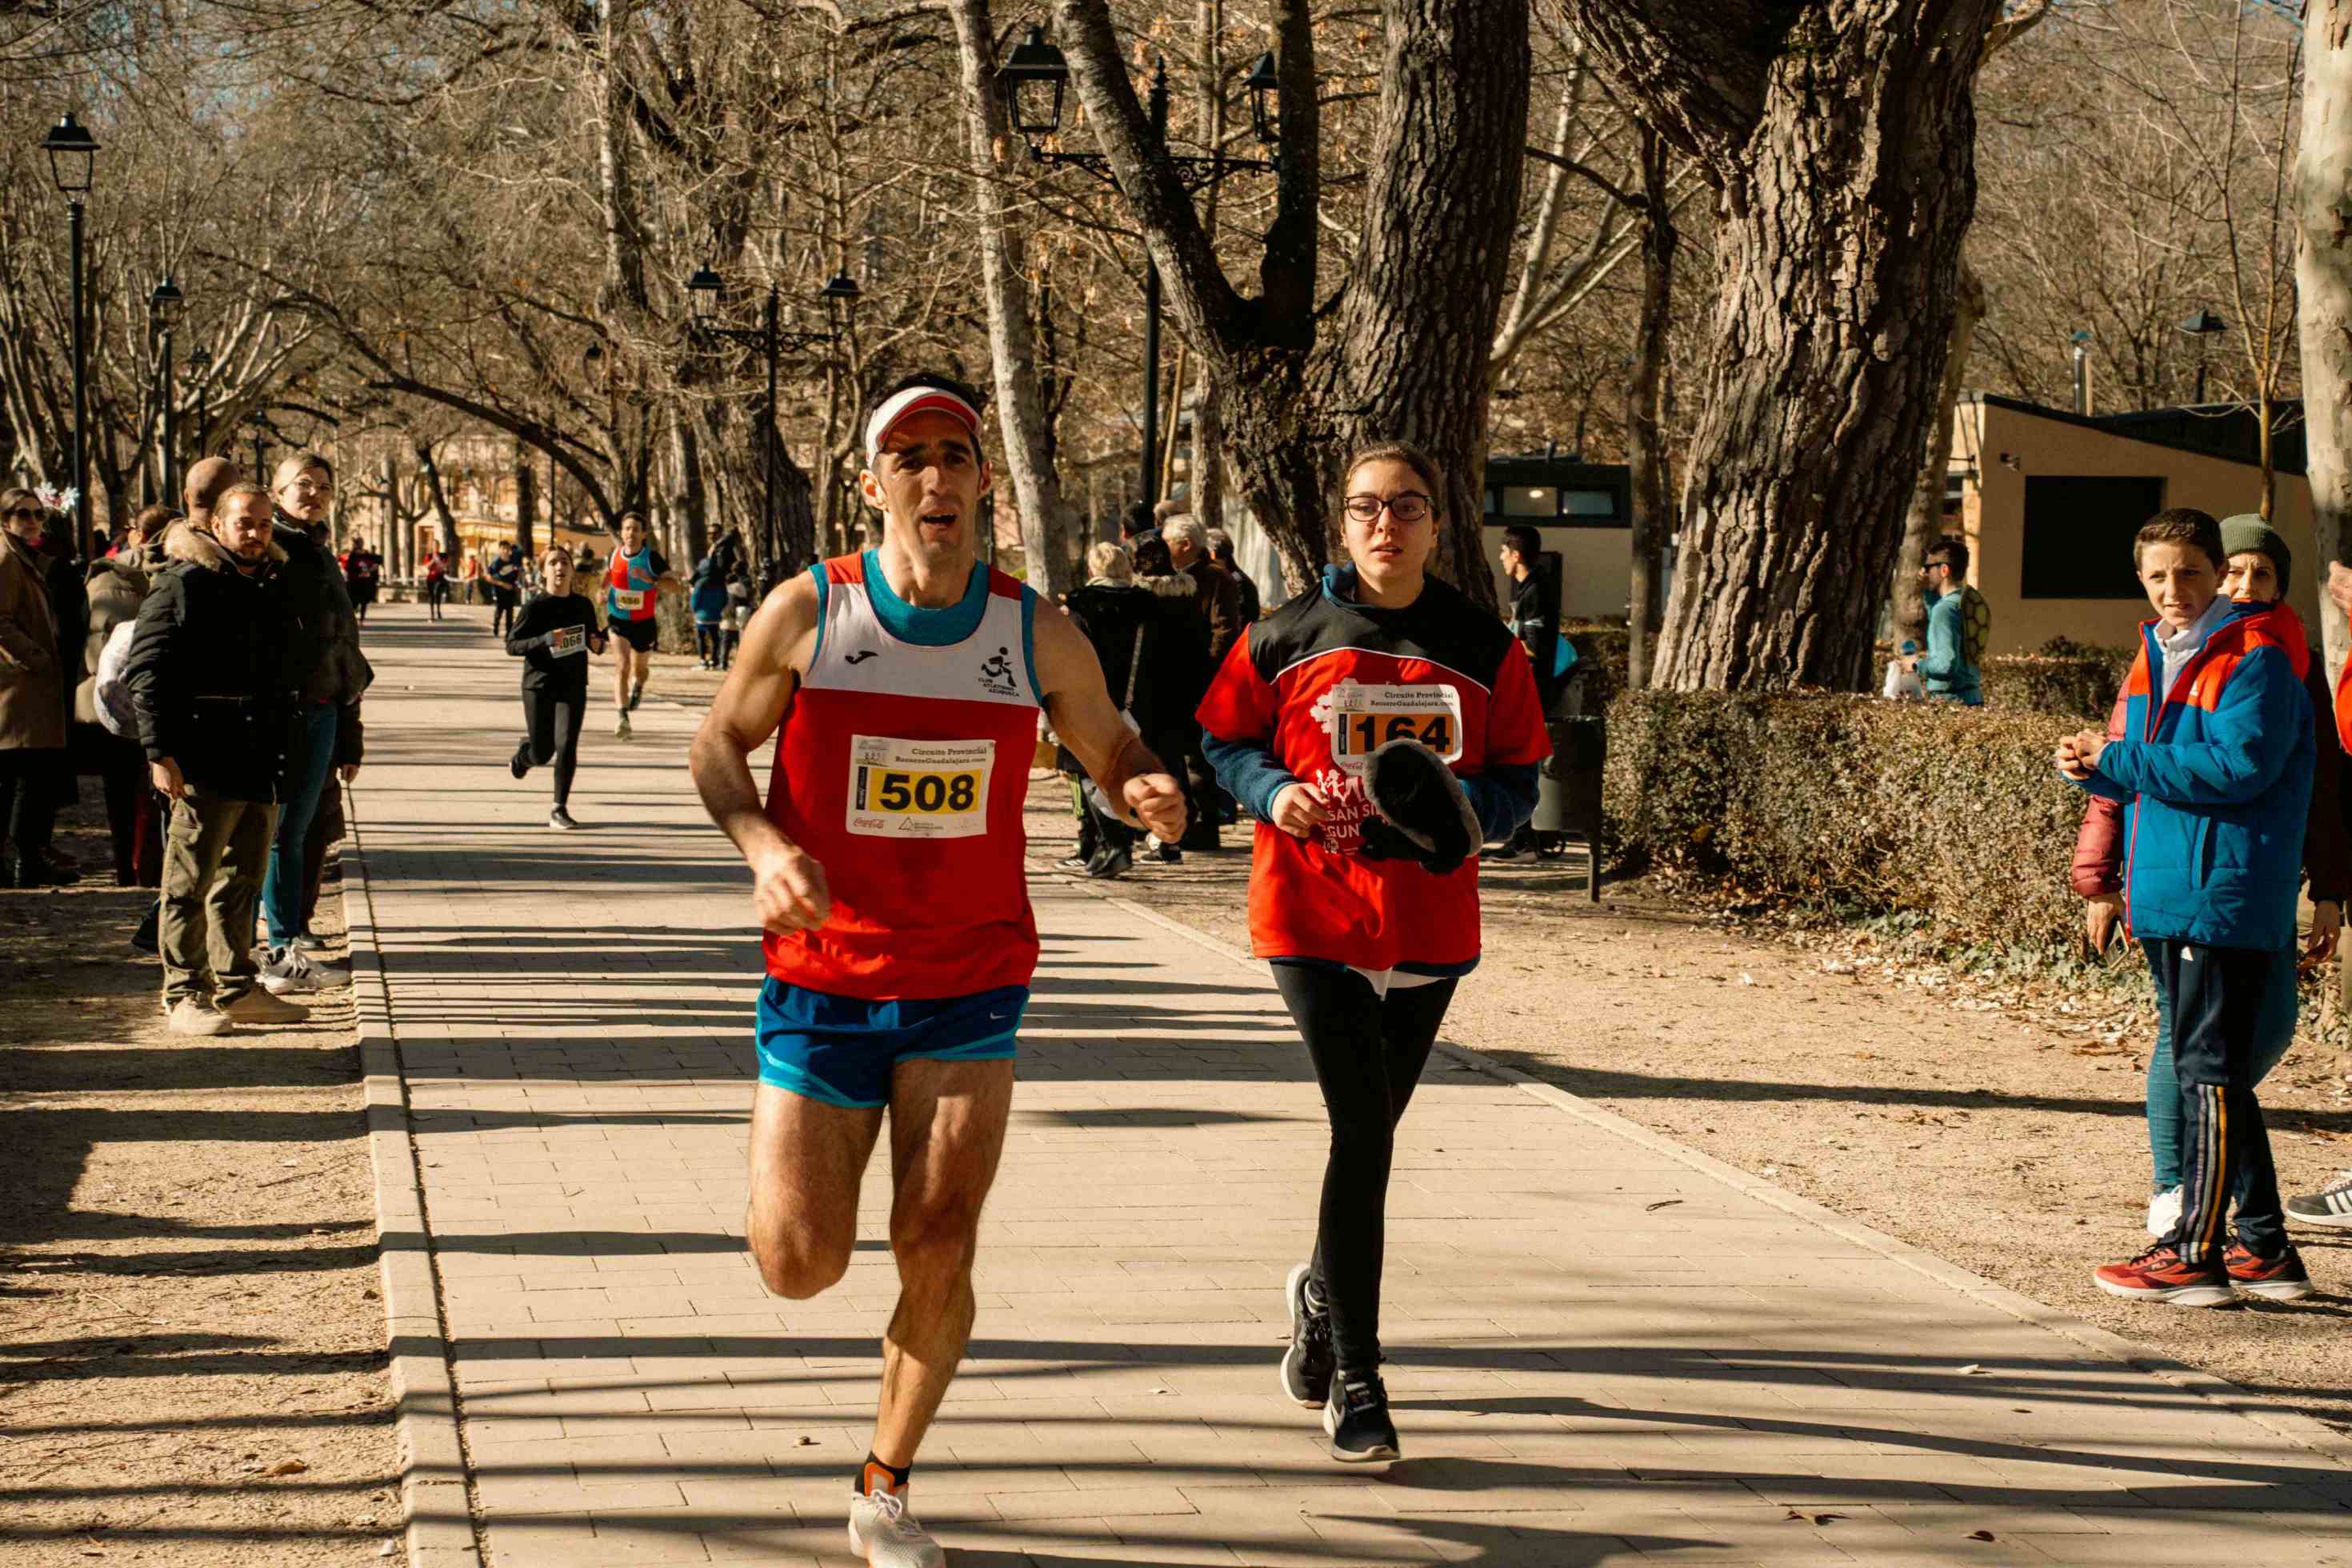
x: 573, y: 1012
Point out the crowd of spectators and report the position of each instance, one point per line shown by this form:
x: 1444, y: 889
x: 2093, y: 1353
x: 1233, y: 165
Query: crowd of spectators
x: 204, y: 667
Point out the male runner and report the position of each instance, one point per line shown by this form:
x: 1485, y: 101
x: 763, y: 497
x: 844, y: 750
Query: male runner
x: 632, y: 581
x: 888, y: 875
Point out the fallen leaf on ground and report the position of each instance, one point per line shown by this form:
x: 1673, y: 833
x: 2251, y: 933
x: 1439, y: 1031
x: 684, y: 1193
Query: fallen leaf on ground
x: 1980, y: 1535
x: 1973, y: 1366
x: 1661, y: 1204
x: 286, y: 1468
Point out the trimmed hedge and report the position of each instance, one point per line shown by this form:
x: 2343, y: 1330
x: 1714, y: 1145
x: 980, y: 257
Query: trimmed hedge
x: 2063, y: 678
x: 1855, y: 805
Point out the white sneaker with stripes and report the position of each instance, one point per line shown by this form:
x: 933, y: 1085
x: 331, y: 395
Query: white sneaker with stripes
x: 2329, y: 1208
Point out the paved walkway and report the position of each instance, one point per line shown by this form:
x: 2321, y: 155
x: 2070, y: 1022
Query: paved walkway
x: 1606, y: 1349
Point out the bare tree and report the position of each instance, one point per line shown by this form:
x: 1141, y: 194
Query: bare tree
x: 1842, y: 142
x: 1305, y: 378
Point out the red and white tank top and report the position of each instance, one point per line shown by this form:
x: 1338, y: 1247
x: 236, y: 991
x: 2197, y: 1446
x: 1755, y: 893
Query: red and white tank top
x: 902, y: 766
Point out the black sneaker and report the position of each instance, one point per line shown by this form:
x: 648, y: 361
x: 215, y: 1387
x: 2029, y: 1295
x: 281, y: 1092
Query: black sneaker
x: 2330, y: 1207
x: 519, y: 763
x: 1306, y: 1364
x: 1356, y: 1417
x: 147, y: 938
x: 1109, y: 864
x: 560, y: 819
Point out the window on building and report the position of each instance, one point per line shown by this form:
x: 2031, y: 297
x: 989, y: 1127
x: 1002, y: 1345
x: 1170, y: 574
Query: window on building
x: 1588, y: 503
x: 2078, y: 532
x: 1536, y: 501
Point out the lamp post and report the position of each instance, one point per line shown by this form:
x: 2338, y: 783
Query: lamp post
x: 73, y: 163
x: 704, y: 291
x: 162, y: 313
x: 1033, y: 79
x: 2201, y: 330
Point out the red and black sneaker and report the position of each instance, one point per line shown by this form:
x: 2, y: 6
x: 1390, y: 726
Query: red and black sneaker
x: 2280, y: 1279
x: 2160, y: 1275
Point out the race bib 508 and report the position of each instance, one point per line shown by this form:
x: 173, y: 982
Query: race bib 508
x: 918, y: 789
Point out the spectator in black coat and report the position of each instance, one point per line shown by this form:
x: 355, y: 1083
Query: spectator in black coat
x: 207, y: 677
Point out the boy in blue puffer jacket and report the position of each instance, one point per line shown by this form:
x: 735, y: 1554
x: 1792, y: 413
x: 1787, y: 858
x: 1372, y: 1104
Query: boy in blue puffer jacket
x: 2214, y: 775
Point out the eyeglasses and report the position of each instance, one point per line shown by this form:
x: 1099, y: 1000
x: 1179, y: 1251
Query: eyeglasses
x: 1410, y: 506
x: 32, y: 511
x: 306, y: 485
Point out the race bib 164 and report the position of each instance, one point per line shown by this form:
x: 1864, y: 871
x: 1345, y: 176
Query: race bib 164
x: 1365, y: 718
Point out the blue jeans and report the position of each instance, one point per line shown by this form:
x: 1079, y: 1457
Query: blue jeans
x: 309, y: 760
x: 2274, y: 1033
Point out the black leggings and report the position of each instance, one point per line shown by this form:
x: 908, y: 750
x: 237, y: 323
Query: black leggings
x: 1369, y: 1051
x: 554, y: 732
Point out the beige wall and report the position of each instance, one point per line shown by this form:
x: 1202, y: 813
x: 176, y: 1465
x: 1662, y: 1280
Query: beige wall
x: 1995, y: 514
x: 1596, y: 568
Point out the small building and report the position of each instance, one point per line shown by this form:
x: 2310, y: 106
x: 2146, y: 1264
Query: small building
x: 2049, y: 501
x: 1582, y: 511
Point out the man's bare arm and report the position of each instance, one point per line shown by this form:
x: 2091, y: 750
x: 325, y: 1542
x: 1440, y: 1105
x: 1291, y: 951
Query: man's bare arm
x: 789, y: 890
x: 1114, y: 756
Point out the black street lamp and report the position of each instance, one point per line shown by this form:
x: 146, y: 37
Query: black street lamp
x: 1033, y: 78
x: 163, y: 308
x: 73, y: 163
x: 705, y: 292
x: 2201, y: 330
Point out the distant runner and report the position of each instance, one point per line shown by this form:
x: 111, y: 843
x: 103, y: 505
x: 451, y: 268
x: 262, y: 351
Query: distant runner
x: 888, y: 875
x: 553, y: 636
x: 632, y: 583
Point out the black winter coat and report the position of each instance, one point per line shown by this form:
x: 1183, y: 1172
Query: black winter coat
x: 323, y: 663
x: 207, y: 666
x: 1175, y: 667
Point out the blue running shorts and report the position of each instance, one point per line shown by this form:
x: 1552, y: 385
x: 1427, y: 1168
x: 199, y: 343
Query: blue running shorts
x: 843, y: 1049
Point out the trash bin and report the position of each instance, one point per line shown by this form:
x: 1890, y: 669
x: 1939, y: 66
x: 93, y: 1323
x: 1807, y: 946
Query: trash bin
x: 1568, y: 791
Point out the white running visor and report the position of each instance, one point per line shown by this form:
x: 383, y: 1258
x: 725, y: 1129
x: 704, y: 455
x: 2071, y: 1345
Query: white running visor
x: 901, y: 406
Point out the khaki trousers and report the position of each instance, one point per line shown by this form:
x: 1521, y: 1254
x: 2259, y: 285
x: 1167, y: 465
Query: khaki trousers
x: 216, y: 853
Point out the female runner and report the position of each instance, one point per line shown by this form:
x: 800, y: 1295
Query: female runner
x: 1369, y: 929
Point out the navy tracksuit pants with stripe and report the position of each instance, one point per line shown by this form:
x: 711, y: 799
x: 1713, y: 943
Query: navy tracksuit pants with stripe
x: 2216, y: 995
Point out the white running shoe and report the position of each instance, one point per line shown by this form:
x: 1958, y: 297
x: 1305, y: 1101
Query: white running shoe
x: 288, y: 971
x: 888, y: 1536
x: 621, y: 726
x: 2164, y: 1213
x: 560, y: 819
x: 308, y: 945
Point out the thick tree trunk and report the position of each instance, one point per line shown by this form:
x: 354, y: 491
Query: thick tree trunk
x: 1012, y: 337
x: 795, y: 513
x: 1843, y: 141
x: 1923, y: 524
x: 440, y: 499
x: 1304, y: 386
x: 1645, y: 439
x: 526, y: 502
x: 2323, y: 273
x: 689, y: 502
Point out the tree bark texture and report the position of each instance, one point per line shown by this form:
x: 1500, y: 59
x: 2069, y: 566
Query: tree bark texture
x: 1302, y: 385
x: 1012, y: 338
x: 440, y: 497
x: 2324, y: 284
x: 526, y: 480
x: 1653, y: 520
x: 689, y: 497
x: 1923, y: 524
x: 1842, y: 137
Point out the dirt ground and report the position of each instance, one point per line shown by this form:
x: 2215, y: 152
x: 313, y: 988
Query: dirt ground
x: 2008, y: 1139
x: 192, y: 1349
